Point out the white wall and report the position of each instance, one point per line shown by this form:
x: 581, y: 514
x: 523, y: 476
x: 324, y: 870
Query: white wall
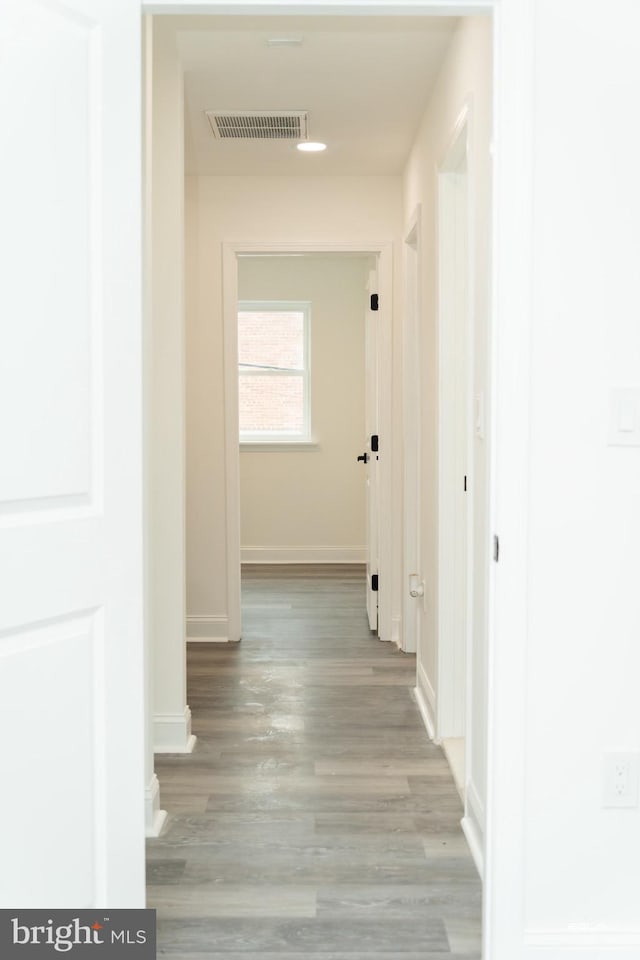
x: 249, y: 209
x: 582, y: 862
x: 465, y: 78
x: 165, y: 401
x: 311, y: 503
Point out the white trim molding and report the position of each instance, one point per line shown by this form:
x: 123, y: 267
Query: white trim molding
x: 426, y: 699
x: 154, y: 817
x: 392, y: 8
x: 279, y: 446
x: 232, y: 434
x: 594, y: 941
x: 473, y: 824
x: 172, y: 732
x: 396, y: 631
x: 506, y: 872
x: 304, y: 554
x: 208, y: 629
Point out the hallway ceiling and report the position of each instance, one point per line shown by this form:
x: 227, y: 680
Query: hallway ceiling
x: 365, y: 82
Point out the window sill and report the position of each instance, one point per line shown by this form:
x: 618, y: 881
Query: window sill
x: 278, y: 446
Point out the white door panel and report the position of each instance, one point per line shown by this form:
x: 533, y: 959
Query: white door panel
x: 413, y: 588
x: 371, y: 466
x: 71, y: 655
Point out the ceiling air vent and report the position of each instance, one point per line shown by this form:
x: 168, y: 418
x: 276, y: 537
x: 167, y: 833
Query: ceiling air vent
x: 261, y: 125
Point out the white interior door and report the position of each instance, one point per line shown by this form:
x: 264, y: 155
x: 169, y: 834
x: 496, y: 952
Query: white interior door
x: 371, y: 455
x: 413, y: 589
x: 71, y: 644
x: 454, y: 442
x: 461, y: 444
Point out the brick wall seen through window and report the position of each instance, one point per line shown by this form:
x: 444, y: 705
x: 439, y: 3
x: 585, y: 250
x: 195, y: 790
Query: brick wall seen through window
x: 273, y: 371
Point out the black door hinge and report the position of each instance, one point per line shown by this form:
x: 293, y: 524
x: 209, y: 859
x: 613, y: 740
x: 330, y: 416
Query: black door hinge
x: 465, y: 483
x: 374, y: 582
x: 374, y: 443
x: 496, y: 548
x: 374, y: 301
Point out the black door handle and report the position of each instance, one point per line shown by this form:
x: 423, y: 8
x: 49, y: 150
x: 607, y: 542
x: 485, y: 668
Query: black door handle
x: 364, y: 458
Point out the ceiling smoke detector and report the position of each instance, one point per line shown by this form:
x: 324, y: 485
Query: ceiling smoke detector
x: 258, y: 125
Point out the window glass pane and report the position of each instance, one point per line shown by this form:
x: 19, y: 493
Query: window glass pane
x: 271, y: 339
x: 271, y: 403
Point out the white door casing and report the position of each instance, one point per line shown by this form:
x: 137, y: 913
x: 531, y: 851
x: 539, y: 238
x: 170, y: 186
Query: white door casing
x: 230, y: 252
x: 71, y: 638
x: 165, y: 423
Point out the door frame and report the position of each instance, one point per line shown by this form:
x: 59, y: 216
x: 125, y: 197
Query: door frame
x: 231, y: 250
x: 508, y: 418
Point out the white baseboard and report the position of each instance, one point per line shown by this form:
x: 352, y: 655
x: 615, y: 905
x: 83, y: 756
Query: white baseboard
x: 583, y: 942
x: 473, y: 825
x: 154, y: 817
x: 426, y: 700
x: 303, y: 554
x: 172, y: 732
x: 454, y: 751
x: 210, y: 629
x: 396, y: 625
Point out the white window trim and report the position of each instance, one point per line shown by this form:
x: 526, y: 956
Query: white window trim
x: 275, y: 440
x: 278, y: 446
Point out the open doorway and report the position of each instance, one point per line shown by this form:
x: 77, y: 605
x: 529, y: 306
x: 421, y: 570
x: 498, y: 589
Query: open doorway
x: 301, y: 370
x: 306, y: 498
x: 268, y: 207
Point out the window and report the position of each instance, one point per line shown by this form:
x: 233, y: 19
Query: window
x: 273, y: 371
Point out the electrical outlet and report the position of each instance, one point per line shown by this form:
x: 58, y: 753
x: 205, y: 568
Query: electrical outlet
x: 621, y: 779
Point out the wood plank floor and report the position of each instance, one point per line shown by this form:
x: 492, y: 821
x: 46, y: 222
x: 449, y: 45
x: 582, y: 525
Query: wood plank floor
x: 315, y: 820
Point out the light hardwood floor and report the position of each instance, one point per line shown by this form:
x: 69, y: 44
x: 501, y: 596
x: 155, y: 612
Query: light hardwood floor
x: 315, y: 820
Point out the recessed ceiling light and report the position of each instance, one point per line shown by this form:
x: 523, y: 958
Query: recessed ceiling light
x: 310, y: 146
